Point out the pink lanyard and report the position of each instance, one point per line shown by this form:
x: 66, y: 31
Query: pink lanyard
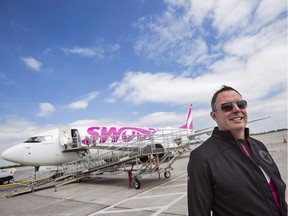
x: 247, y: 149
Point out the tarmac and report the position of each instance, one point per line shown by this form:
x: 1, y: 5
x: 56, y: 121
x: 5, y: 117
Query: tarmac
x: 112, y: 196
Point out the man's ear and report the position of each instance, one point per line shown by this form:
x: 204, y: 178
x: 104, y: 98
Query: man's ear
x: 213, y: 115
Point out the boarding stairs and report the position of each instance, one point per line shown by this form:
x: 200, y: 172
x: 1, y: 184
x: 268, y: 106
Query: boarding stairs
x: 114, y: 159
x: 125, y: 156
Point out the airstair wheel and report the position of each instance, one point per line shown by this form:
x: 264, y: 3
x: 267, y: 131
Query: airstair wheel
x: 137, y: 183
x: 167, y: 174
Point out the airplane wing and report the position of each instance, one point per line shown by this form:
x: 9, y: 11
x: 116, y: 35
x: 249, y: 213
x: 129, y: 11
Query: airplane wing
x: 192, y: 138
x: 259, y: 119
x: 209, y: 130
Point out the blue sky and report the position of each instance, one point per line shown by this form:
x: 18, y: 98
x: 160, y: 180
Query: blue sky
x: 137, y: 62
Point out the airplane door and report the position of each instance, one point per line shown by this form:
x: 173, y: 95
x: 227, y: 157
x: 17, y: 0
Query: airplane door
x: 65, y: 137
x: 76, y: 140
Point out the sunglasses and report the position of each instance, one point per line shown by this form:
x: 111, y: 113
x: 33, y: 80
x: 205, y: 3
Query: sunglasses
x: 228, y: 106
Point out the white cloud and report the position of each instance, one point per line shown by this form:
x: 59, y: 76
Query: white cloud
x: 110, y: 100
x: 246, y: 45
x: 171, y: 37
x: 198, y: 11
x: 230, y: 17
x: 268, y: 11
x: 101, y: 50
x: 192, y: 32
x: 32, y: 63
x: 139, y: 87
x: 45, y: 109
x: 86, y: 52
x: 162, y: 119
x: 91, y: 95
x: 83, y: 103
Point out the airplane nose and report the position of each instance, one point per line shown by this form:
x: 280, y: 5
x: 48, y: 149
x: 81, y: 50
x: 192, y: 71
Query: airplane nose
x: 13, y: 154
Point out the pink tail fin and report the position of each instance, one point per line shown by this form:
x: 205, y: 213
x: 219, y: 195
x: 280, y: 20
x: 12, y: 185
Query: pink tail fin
x: 189, y: 120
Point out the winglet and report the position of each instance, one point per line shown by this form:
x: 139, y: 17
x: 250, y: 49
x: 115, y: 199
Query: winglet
x: 189, y: 120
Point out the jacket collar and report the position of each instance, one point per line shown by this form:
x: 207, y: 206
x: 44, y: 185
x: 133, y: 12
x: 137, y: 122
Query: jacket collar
x: 227, y: 135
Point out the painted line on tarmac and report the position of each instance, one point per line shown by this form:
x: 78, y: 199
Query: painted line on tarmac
x: 71, y: 198
x: 159, y: 209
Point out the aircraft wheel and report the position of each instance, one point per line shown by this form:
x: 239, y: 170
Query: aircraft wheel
x: 137, y: 184
x: 167, y: 174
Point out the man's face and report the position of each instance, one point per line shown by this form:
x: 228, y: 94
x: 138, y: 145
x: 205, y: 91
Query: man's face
x: 234, y: 120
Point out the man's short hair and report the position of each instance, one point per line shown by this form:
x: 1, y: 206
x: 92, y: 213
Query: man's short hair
x: 222, y: 89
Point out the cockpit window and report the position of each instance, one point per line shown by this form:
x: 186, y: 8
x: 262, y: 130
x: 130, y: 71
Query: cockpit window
x: 38, y: 139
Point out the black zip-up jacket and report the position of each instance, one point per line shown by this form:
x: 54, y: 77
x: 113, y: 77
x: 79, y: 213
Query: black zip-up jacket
x: 224, y: 180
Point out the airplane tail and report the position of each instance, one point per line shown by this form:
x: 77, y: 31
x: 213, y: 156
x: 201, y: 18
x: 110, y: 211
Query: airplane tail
x: 189, y: 120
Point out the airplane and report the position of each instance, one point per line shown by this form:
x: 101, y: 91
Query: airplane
x: 66, y: 143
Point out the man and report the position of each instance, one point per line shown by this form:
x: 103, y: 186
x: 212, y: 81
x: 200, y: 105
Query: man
x: 232, y: 174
